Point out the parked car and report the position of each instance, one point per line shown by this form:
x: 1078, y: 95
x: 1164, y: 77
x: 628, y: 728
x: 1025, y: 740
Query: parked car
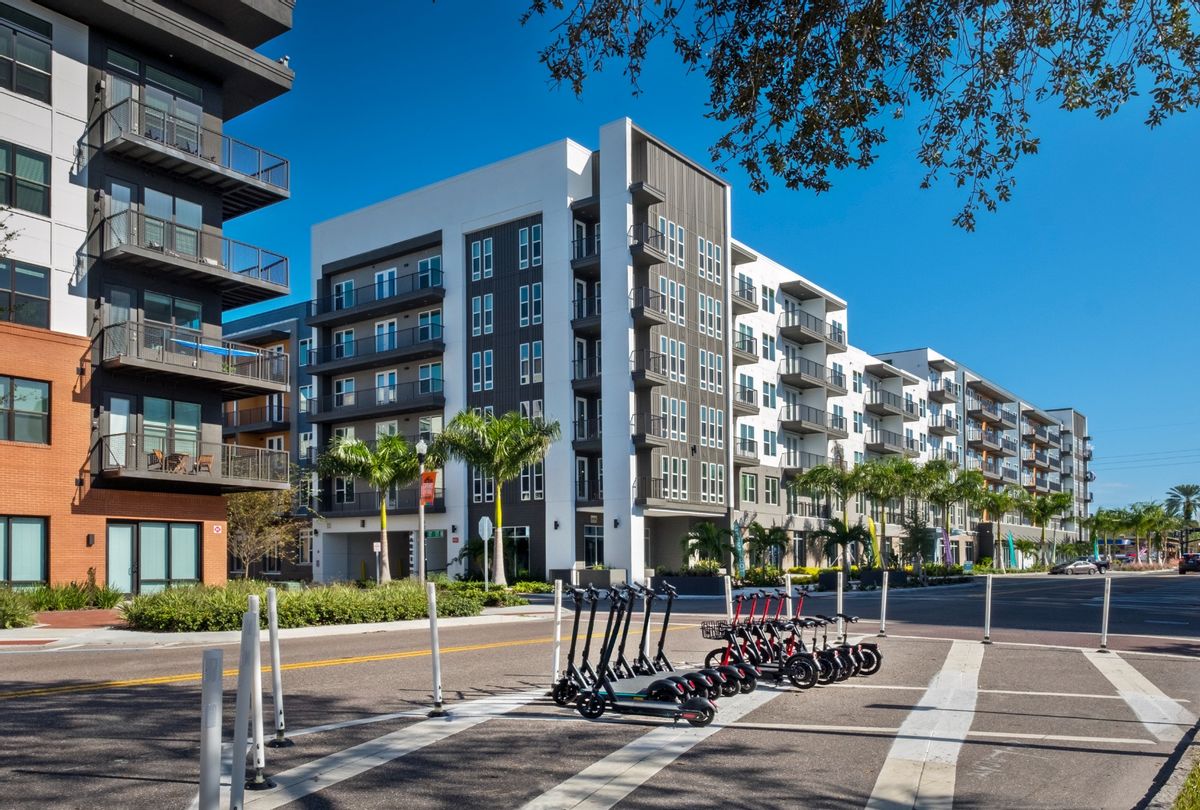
x: 1124, y: 557
x: 1189, y: 562
x: 1079, y: 566
x: 1100, y: 562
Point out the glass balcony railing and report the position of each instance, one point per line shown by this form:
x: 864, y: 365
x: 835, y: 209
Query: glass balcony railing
x: 180, y: 456
x: 185, y: 349
x: 381, y: 291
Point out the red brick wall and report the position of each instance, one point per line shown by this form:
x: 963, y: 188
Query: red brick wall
x: 39, y: 480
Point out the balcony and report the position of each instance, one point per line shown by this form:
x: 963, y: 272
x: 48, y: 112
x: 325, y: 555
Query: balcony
x: 1008, y: 417
x: 1041, y: 483
x: 587, y: 436
x: 1055, y: 438
x: 973, y: 463
x: 944, y: 390
x: 800, y: 372
x: 585, y: 256
x: 176, y: 462
x: 649, y: 488
x: 585, y: 316
x: 798, y: 462
x: 745, y: 399
x: 383, y: 349
x: 644, y: 193
x: 799, y: 326
x: 951, y: 456
x: 885, y: 441
x: 743, y: 297
x: 1056, y: 486
x: 649, y: 431
x: 647, y: 245
x: 745, y: 452
x: 1067, y: 469
x: 398, y: 398
x: 367, y: 504
x: 911, y: 412
x: 243, y: 274
x: 838, y: 428
x: 1008, y: 447
x: 803, y: 419
x: 1087, y: 454
x: 648, y: 307
x: 912, y: 446
x: 589, y: 493
x: 745, y: 349
x: 1010, y: 475
x: 983, y: 411
x: 992, y: 469
x: 585, y: 375
x: 885, y: 403
x: 985, y: 439
x: 387, y: 296
x: 1035, y: 432
x: 944, y: 424
x: 266, y: 419
x: 1036, y: 458
x: 649, y: 368
x: 246, y: 177
x: 835, y: 381
x: 235, y: 369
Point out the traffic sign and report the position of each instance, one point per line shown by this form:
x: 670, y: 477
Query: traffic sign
x: 485, y: 527
x: 378, y: 546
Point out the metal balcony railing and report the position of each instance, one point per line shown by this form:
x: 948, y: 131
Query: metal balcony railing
x: 648, y: 361
x: 382, y: 290
x: 650, y: 424
x: 588, y: 490
x: 368, y: 398
x: 886, y: 438
x: 188, y: 349
x: 745, y: 394
x: 587, y: 429
x: 136, y: 117
x: 650, y: 487
x: 745, y: 291
x: 886, y: 399
x: 174, y: 240
x: 382, y: 343
x: 175, y: 454
x: 988, y: 408
x: 801, y: 460
x: 585, y: 368
x: 257, y: 416
x: 645, y: 235
x: 747, y: 344
x: 370, y: 503
x: 648, y: 299
x: 585, y: 247
x: 744, y: 446
x: 585, y: 307
x: 946, y: 385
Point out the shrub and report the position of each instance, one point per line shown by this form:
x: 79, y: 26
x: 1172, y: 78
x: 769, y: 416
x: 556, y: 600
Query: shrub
x: 703, y: 568
x: 14, y: 610
x: 763, y: 576
x: 200, y: 608
x: 74, y: 596
x: 984, y: 562
x: 806, y: 570
x: 532, y: 586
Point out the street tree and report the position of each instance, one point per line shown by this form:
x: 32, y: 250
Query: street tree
x: 831, y: 480
x: 708, y: 541
x: 805, y: 90
x: 761, y: 540
x: 1184, y: 500
x: 1041, y: 510
x: 840, y: 539
x: 261, y: 523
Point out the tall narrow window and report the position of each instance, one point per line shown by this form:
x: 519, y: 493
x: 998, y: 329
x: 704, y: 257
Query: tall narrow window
x: 536, y: 235
x: 476, y: 260
x: 487, y: 314
x: 537, y: 361
x: 523, y: 305
x: 487, y: 370
x: 487, y: 257
x: 537, y: 303
x: 476, y: 315
x: 523, y: 363
x: 523, y: 249
x: 476, y: 371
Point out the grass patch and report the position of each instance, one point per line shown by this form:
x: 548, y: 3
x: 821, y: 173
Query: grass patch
x: 201, y: 608
x: 1189, y: 796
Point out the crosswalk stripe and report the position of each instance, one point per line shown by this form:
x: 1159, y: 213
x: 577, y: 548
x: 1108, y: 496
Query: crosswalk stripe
x: 1162, y: 717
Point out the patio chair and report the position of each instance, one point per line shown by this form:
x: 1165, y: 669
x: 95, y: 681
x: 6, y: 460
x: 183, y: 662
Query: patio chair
x: 204, y: 463
x: 155, y: 460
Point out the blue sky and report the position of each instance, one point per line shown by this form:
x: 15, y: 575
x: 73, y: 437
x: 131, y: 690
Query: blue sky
x: 1082, y: 291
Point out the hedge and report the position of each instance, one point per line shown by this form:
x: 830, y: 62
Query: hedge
x: 202, y: 608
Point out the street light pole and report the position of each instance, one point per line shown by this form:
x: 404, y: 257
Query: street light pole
x: 422, y: 448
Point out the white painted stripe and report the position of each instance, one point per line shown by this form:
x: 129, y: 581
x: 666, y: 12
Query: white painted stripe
x: 1018, y: 692
x: 895, y: 730
x: 1163, y: 717
x: 330, y: 770
x: 920, y: 767
x: 1176, y: 656
x: 603, y: 784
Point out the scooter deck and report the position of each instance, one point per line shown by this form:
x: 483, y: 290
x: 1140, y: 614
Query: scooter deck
x: 636, y: 684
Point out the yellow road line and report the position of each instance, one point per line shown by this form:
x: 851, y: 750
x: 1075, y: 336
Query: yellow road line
x: 192, y: 677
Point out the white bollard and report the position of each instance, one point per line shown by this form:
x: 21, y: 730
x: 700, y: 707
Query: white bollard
x: 435, y: 649
x: 883, y: 607
x: 728, y: 599
x: 241, y: 711
x: 281, y: 740
x: 557, y: 631
x: 841, y: 589
x: 787, y: 584
x: 1104, y: 618
x: 258, y: 781
x: 987, y: 612
x: 210, y: 730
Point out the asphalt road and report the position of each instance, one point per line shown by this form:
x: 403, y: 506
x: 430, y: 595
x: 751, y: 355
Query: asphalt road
x: 1036, y: 720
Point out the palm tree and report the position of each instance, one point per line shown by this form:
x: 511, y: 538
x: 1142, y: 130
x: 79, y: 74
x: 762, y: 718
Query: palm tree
x: 761, y: 540
x: 948, y: 486
x: 708, y: 541
x: 994, y: 503
x: 1142, y: 519
x: 1184, y: 499
x: 884, y: 481
x: 1041, y: 511
x: 392, y: 462
x: 830, y: 480
x: 498, y: 447
x: 839, y: 537
x: 1026, y: 546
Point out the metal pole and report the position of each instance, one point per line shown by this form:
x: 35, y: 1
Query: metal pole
x: 787, y: 583
x: 431, y: 595
x: 258, y: 781
x: 487, y: 541
x: 1104, y: 619
x: 378, y: 574
x: 557, y: 630
x: 210, y: 730
x: 645, y: 645
x: 883, y: 607
x: 420, y: 518
x: 281, y: 740
x: 987, y: 612
x: 241, y: 713
x: 841, y: 587
x: 728, y: 599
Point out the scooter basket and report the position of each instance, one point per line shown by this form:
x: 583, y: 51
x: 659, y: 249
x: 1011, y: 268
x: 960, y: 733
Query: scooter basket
x: 714, y: 631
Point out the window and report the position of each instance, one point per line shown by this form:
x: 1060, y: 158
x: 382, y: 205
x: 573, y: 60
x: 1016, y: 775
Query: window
x: 24, y: 411
x: 720, y: 320
x: 343, y: 490
x: 487, y: 257
x: 537, y: 361
x: 385, y: 335
x: 483, y: 489
x: 523, y: 305
x: 523, y: 249
x: 681, y: 298
x: 537, y: 303
x: 429, y: 272
x: 476, y: 259
x: 769, y: 392
x: 536, y: 240
x: 771, y: 491
x: 343, y: 294
x: 749, y: 490
x: 343, y: 342
x: 476, y: 371
x: 523, y: 363
x: 858, y: 422
x: 173, y: 311
x: 25, y: 53
x: 168, y: 555
x: 539, y: 410
x: 487, y: 314
x: 770, y: 443
x: 857, y: 379
x: 306, y: 394
x: 275, y: 443
x: 24, y: 294
x: 306, y: 446
x: 476, y: 315
x: 343, y: 392
x: 720, y: 374
x: 768, y: 346
x: 24, y: 176
x: 304, y: 352
x: 22, y: 550
x: 429, y: 378
x: 593, y: 544
x: 487, y: 370
x: 701, y: 264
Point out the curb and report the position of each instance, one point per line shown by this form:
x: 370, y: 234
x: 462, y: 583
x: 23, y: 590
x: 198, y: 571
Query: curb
x: 1188, y: 756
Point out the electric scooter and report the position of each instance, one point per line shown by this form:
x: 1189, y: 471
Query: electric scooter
x: 869, y: 657
x: 693, y: 683
x: 574, y: 678
x: 643, y: 695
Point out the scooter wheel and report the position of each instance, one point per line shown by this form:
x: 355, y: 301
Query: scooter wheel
x: 715, y: 658
x: 662, y: 695
x: 564, y: 693
x: 801, y: 672
x: 701, y: 718
x: 872, y: 661
x: 748, y: 685
x: 825, y: 673
x: 843, y: 672
x: 590, y: 706
x: 730, y: 688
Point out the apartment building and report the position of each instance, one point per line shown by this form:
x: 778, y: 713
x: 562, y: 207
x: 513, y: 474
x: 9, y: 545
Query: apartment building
x: 119, y: 177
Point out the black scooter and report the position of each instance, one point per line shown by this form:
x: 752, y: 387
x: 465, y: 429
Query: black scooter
x: 574, y: 678
x: 646, y: 694
x: 693, y: 683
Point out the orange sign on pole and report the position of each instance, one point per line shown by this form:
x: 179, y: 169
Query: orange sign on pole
x: 428, y: 481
